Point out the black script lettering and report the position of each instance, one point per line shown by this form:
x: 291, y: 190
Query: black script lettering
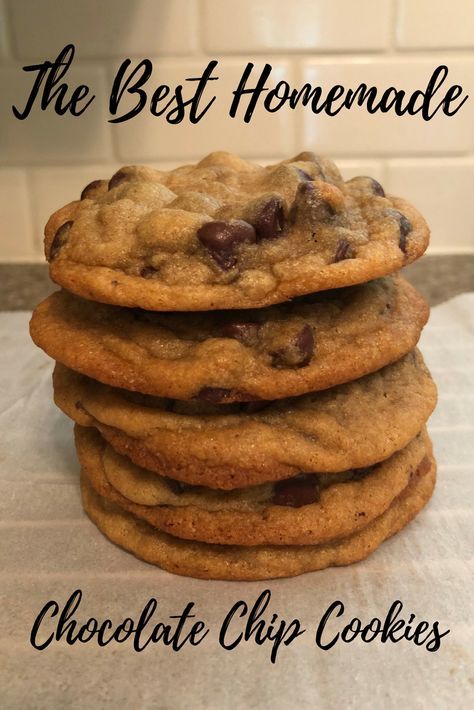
x: 73, y: 632
x: 174, y: 109
x: 254, y: 92
x: 50, y: 606
x: 258, y: 628
x: 50, y: 74
x: 337, y: 607
x: 434, y: 643
x: 122, y: 83
x: 164, y: 632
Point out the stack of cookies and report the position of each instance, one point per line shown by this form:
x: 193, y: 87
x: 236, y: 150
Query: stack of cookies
x: 238, y: 351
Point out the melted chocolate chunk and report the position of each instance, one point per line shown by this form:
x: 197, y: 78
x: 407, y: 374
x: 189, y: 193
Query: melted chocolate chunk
x: 59, y: 240
x: 344, y: 250
x: 377, y: 188
x: 304, y: 341
x: 369, y: 183
x: 269, y: 221
x: 303, y: 174
x: 117, y: 178
x: 89, y: 189
x: 296, y: 492
x: 299, y: 351
x: 222, y: 238
x: 405, y: 227
x: 245, y: 333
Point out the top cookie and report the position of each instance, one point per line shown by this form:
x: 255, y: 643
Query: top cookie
x: 226, y: 233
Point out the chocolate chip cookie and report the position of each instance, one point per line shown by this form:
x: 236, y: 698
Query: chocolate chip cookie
x: 309, y: 344
x: 226, y: 233
x: 308, y: 509
x: 233, y: 446
x: 233, y: 562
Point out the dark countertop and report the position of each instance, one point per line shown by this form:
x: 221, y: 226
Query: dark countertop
x: 438, y: 277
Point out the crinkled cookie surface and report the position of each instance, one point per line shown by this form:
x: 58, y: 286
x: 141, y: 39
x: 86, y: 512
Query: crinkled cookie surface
x: 226, y: 446
x: 309, y: 344
x: 234, y: 562
x: 227, y: 233
x: 308, y: 509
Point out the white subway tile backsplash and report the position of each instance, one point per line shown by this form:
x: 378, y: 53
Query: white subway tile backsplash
x: 45, y: 137
x: 356, y: 132
x: 442, y: 191
x: 108, y: 28
x: 147, y: 137
x: 260, y: 25
x: 46, y: 159
x: 432, y: 24
x: 4, y: 49
x: 16, y: 242
x: 353, y: 168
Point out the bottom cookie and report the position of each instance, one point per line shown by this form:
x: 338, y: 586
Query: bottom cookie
x: 311, y: 510
x: 230, y: 562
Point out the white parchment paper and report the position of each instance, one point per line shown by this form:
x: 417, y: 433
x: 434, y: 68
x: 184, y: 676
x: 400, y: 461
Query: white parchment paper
x: 49, y: 549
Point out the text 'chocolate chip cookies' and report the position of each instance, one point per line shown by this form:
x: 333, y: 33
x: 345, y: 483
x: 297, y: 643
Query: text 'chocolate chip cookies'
x: 261, y: 436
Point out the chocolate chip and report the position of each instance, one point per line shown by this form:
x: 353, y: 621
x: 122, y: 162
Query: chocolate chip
x: 422, y: 468
x: 405, y: 227
x: 270, y: 219
x: 296, y: 492
x: 303, y: 175
x: 59, y: 240
x: 117, y: 178
x: 299, y: 351
x: 344, y: 250
x: 369, y: 183
x: 306, y: 190
x: 245, y: 333
x: 310, y: 205
x: 148, y: 272
x: 377, y: 188
x: 216, y: 395
x: 221, y: 239
x: 90, y: 189
x: 304, y: 341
